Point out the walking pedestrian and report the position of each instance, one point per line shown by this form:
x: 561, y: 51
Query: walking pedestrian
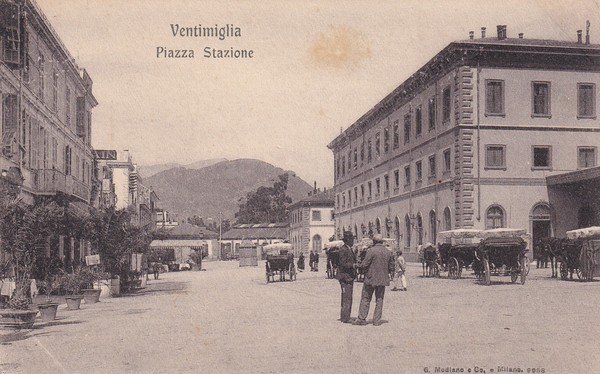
x: 316, y: 261
x: 378, y: 267
x: 399, y: 270
x: 311, y: 261
x: 301, y: 262
x: 345, y: 275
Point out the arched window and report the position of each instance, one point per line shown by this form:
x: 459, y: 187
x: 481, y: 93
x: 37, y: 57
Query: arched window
x: 397, y: 230
x: 432, y: 226
x: 378, y: 226
x: 316, y: 243
x: 494, y: 217
x: 420, y: 229
x: 447, y: 219
x: 541, y: 223
x: 408, y: 230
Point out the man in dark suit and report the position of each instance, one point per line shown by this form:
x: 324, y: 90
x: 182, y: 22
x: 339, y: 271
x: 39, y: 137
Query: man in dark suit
x: 378, y: 267
x: 345, y: 275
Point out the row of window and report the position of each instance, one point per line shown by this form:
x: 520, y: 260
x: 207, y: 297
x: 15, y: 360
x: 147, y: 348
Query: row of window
x: 391, y: 136
x: 541, y: 157
x: 373, y: 189
x: 296, y: 217
x: 540, y: 99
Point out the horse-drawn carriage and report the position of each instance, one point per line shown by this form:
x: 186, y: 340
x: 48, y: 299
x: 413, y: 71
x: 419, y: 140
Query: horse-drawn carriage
x: 580, y: 253
x: 279, y: 262
x: 502, y: 252
x: 458, y: 250
x: 332, y: 253
x: 430, y: 259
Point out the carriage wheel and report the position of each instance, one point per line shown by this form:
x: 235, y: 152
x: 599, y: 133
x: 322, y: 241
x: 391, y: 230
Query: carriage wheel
x: 589, y: 266
x: 267, y: 278
x: 514, y: 273
x: 524, y: 268
x: 423, y: 263
x: 453, y: 268
x: 564, y: 272
x: 486, y: 272
x: 527, y: 265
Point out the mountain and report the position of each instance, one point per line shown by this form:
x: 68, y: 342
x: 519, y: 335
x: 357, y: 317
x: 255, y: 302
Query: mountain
x: 218, y: 188
x: 147, y: 171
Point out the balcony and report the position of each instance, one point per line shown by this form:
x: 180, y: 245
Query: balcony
x: 50, y: 181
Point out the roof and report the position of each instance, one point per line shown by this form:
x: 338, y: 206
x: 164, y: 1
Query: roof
x: 178, y: 243
x: 319, y: 199
x: 577, y: 176
x: 257, y: 231
x: 189, y: 231
x: 530, y: 42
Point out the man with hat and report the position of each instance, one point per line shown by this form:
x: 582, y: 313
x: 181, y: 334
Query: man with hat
x: 378, y: 266
x: 345, y: 275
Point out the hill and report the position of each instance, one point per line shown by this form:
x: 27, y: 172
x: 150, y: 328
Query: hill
x: 218, y: 187
x: 147, y: 171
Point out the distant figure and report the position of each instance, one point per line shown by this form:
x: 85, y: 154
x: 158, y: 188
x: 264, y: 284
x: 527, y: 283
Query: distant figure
x: 311, y: 261
x: 345, y: 275
x: 301, y: 262
x: 156, y: 269
x: 400, y: 269
x: 316, y: 261
x: 378, y: 267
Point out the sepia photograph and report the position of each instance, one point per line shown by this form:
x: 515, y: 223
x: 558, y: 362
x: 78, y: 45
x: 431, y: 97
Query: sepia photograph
x: 279, y: 186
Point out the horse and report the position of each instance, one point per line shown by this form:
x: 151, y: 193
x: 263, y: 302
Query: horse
x: 550, y: 248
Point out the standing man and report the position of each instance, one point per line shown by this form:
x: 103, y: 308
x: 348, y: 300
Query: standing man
x: 311, y: 261
x: 316, y: 260
x: 378, y: 267
x: 345, y: 275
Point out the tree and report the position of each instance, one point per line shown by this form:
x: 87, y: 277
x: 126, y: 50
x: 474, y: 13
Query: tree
x: 196, y: 220
x: 266, y: 204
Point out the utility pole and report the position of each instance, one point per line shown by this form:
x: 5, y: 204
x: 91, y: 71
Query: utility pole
x: 220, y: 234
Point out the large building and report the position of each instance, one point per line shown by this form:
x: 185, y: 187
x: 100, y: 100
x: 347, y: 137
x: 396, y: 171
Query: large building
x: 311, y: 222
x: 46, y: 106
x: 476, y: 138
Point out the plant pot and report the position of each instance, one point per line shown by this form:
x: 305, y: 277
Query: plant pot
x: 17, y: 319
x: 73, y: 301
x: 91, y: 296
x: 48, y: 311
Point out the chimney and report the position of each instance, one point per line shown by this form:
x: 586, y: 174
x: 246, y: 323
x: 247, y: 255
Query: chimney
x: 520, y: 35
x: 482, y: 32
x: 587, y: 32
x: 471, y: 34
x: 499, y: 32
x: 504, y: 35
x: 579, y: 41
x: 315, y: 188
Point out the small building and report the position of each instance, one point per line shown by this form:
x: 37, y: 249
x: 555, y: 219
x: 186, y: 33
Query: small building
x: 312, y: 222
x: 260, y: 234
x: 186, y: 238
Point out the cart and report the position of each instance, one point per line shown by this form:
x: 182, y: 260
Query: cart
x: 580, y: 253
x: 332, y: 254
x: 458, y: 250
x: 503, y: 252
x: 279, y: 262
x: 430, y: 258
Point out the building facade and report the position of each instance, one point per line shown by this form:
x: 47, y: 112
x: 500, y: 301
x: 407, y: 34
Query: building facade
x: 122, y: 187
x: 46, y: 109
x: 469, y: 139
x: 312, y: 222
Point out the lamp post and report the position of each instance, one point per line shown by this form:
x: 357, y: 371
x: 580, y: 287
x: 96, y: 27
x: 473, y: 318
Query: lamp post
x: 220, y: 235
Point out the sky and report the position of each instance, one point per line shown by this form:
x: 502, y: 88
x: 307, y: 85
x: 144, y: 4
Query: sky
x: 317, y: 67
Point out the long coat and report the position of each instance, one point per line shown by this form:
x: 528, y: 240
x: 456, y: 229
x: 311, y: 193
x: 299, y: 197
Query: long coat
x: 378, y: 265
x: 346, y: 262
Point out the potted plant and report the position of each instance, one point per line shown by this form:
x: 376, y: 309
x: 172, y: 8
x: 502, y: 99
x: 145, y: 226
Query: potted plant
x: 49, y: 308
x: 24, y: 230
x: 88, y: 278
x: 73, y: 283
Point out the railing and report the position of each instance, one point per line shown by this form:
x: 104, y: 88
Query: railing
x: 79, y: 189
x: 50, y: 181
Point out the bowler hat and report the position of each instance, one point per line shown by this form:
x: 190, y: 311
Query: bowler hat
x: 348, y: 235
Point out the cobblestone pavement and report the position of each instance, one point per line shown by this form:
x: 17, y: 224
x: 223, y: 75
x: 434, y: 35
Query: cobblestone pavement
x: 227, y: 320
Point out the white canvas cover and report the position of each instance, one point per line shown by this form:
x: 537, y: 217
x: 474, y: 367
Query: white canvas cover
x: 334, y: 244
x: 275, y: 248
x: 460, y: 236
x: 504, y: 233
x: 587, y: 232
